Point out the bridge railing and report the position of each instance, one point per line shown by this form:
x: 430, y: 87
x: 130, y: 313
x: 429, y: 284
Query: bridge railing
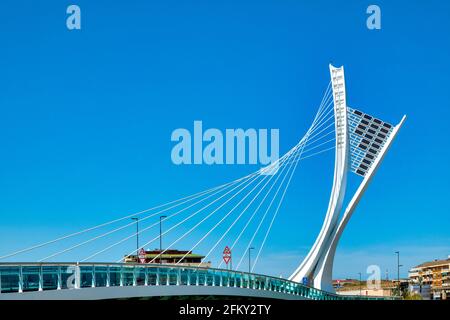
x: 26, y: 277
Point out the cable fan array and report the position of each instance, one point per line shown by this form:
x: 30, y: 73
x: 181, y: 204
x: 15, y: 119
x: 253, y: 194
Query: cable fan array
x: 242, y: 210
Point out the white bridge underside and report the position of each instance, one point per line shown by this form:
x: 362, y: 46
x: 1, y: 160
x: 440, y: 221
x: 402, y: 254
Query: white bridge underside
x: 317, y: 267
x: 142, y: 292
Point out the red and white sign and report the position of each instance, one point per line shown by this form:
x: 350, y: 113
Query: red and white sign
x: 142, y: 255
x: 226, y: 255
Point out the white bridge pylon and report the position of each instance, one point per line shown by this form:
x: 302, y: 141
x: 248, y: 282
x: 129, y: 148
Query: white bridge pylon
x: 361, y: 144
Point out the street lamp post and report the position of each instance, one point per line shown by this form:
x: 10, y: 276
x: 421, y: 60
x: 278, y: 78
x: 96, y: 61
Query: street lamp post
x: 161, y: 218
x: 137, y: 237
x: 231, y: 260
x: 360, y: 290
x: 249, y: 259
x: 398, y: 270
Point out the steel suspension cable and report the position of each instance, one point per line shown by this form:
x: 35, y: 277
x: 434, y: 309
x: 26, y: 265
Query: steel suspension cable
x: 152, y: 225
x: 247, y: 182
x: 198, y: 224
x: 131, y: 223
x: 223, y: 218
x: 258, y: 207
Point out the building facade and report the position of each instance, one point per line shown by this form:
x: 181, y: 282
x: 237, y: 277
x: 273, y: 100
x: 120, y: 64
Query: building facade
x: 180, y: 257
x: 431, y: 279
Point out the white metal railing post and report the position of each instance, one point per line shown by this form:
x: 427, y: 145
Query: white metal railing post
x: 179, y: 277
x: 77, y: 276
x: 146, y: 276
x: 41, y: 280
x: 188, y: 277
x: 121, y: 276
x: 20, y: 279
x: 134, y: 276
x: 93, y: 276
x: 59, y: 279
x: 108, y: 276
x: 157, y: 276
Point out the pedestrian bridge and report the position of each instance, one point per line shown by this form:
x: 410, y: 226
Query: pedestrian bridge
x: 63, y: 281
x: 236, y: 212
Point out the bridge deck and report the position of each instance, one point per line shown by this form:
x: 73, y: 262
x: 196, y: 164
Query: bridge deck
x: 115, y: 280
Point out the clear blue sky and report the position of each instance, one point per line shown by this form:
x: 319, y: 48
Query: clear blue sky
x: 86, y: 116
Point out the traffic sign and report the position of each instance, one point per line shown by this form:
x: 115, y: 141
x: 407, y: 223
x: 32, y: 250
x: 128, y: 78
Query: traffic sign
x: 226, y: 255
x: 226, y: 259
x: 142, y: 255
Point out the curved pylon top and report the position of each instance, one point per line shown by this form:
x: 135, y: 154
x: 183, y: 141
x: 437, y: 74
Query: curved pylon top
x: 362, y: 140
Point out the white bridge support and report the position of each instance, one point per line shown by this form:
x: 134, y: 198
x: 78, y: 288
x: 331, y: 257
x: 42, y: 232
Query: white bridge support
x: 317, y: 267
x: 308, y: 267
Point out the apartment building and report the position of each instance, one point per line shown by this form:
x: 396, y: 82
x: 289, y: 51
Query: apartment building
x: 431, y: 279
